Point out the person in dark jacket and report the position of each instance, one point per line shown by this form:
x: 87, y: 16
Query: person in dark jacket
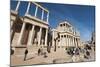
x: 39, y: 51
x: 26, y: 52
x: 12, y: 52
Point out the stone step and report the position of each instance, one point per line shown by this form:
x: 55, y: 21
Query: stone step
x: 32, y: 50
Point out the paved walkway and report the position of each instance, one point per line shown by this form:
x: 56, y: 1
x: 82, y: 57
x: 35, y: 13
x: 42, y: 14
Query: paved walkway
x: 60, y: 56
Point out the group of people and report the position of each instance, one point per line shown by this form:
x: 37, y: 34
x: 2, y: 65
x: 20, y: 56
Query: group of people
x: 86, y: 51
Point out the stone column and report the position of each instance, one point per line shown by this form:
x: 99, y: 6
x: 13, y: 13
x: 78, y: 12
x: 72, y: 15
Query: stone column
x: 11, y: 30
x: 21, y: 33
x: 31, y: 36
x: 17, y: 6
x: 42, y: 14
x: 73, y: 41
x: 28, y: 8
x: 78, y: 42
x: 66, y: 40
x: 69, y: 41
x: 46, y: 37
x: 11, y: 24
x: 48, y: 17
x: 36, y: 10
x: 39, y: 39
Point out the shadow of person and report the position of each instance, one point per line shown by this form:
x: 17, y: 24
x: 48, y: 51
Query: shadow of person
x: 30, y: 58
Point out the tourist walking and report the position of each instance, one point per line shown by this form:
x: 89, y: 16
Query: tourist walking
x: 25, y: 54
x: 39, y: 51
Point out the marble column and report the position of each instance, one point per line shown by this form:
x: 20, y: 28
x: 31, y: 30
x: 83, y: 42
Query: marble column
x: 17, y: 6
x: 11, y: 25
x: 31, y: 36
x: 76, y: 42
x: 48, y: 17
x: 28, y: 8
x: 69, y: 41
x: 80, y: 43
x: 11, y: 30
x: 73, y: 41
x: 36, y: 10
x: 66, y: 41
x: 46, y: 37
x: 39, y: 39
x: 21, y: 33
x: 42, y: 14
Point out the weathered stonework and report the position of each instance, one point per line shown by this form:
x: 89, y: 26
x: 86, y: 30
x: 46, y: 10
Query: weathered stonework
x: 65, y: 35
x: 28, y: 31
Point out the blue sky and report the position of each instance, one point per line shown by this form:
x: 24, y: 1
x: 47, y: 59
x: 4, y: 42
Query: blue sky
x: 82, y: 17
